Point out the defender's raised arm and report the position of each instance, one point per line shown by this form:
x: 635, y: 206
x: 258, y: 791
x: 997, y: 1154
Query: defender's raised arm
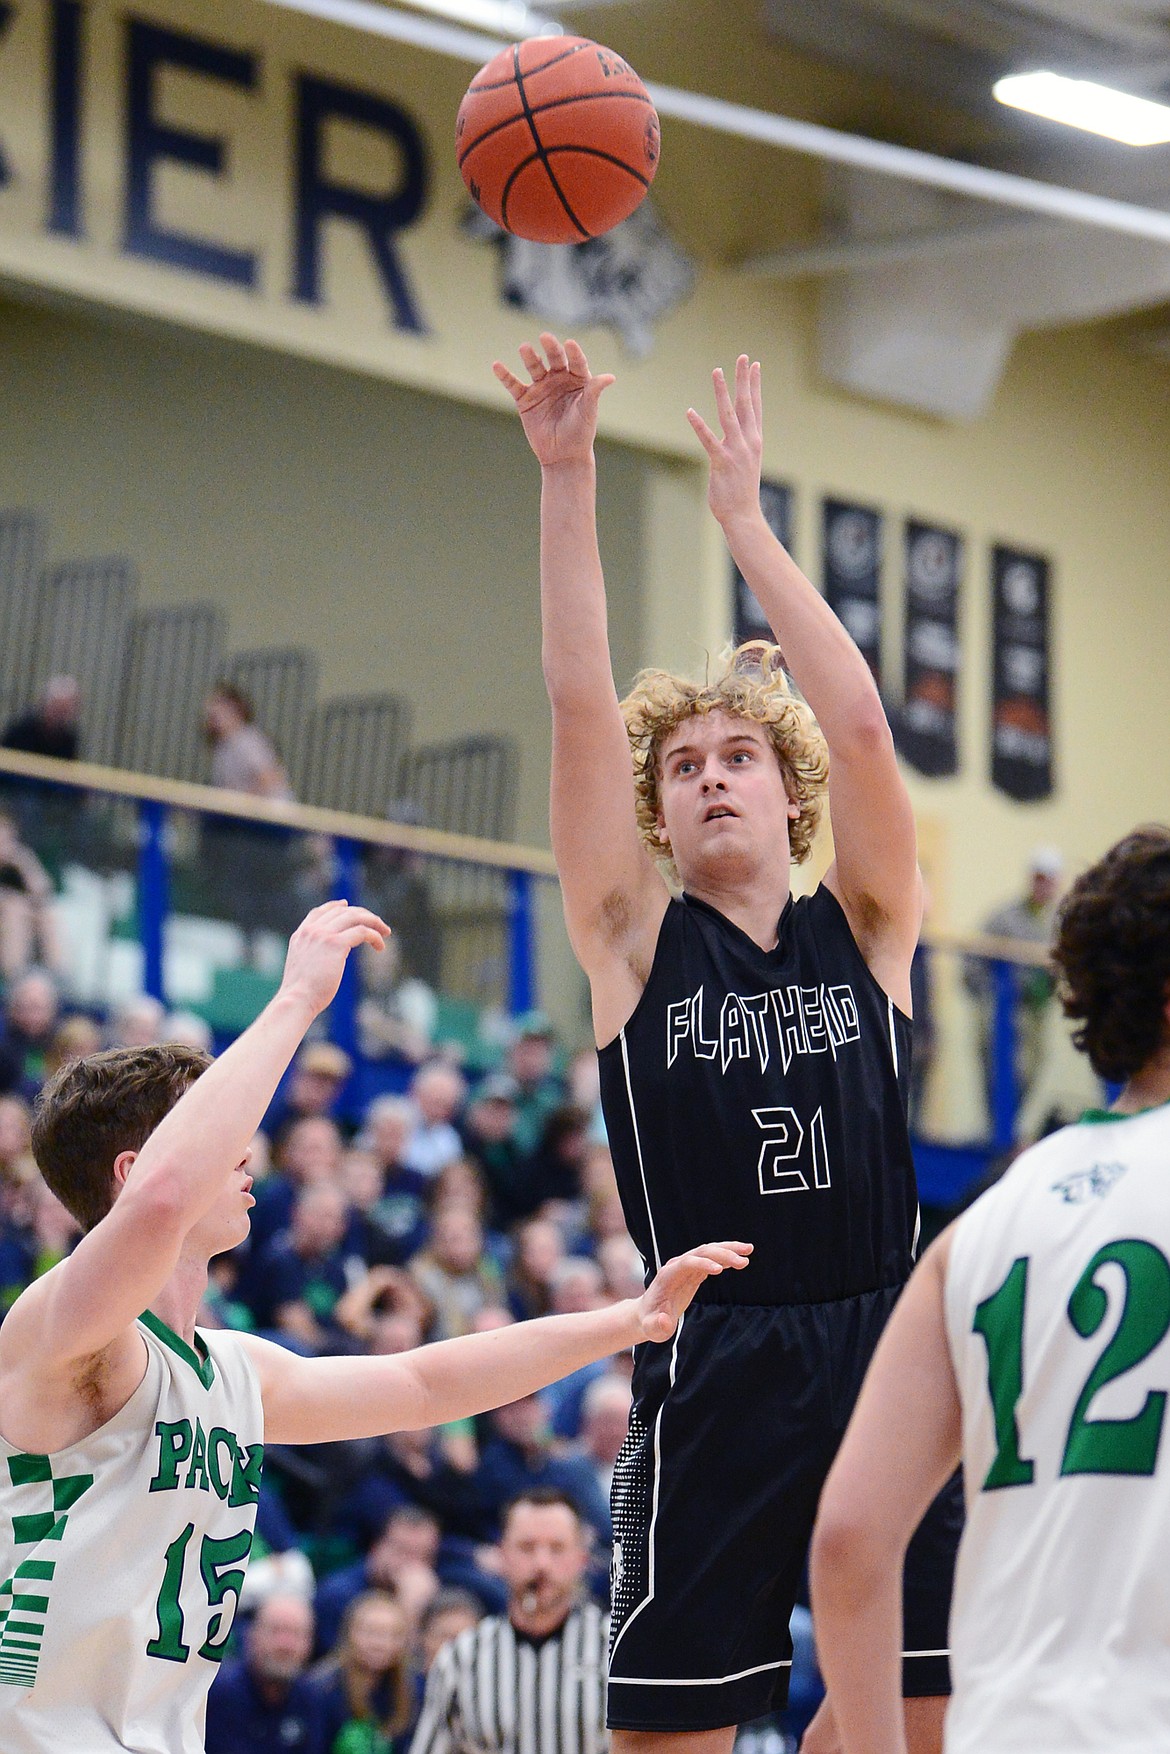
x: 165, y: 1186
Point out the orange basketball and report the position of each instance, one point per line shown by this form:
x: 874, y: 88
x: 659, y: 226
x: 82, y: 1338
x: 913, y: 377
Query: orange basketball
x: 557, y: 139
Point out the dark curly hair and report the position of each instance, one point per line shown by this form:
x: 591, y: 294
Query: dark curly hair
x: 1112, y: 953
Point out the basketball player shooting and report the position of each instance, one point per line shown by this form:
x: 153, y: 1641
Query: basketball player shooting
x: 1032, y: 1341
x: 754, y: 1056
x: 131, y: 1444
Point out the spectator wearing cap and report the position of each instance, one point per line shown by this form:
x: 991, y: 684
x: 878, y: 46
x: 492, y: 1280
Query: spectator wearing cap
x: 489, y: 1140
x: 1027, y: 921
x: 539, y: 1087
x: 314, y: 1087
x: 437, y: 1091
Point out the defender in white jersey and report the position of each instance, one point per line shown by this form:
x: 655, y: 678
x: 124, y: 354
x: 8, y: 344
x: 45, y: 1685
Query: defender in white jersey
x: 131, y: 1443
x: 1034, y: 1340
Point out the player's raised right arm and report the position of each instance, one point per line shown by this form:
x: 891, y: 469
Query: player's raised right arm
x: 120, y: 1266
x: 614, y: 899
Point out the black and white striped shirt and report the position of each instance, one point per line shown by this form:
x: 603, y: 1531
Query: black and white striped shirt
x: 493, y: 1691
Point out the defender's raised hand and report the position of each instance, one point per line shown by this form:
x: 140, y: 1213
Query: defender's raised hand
x: 675, y: 1283
x: 558, y: 406
x: 733, y: 488
x: 318, y: 948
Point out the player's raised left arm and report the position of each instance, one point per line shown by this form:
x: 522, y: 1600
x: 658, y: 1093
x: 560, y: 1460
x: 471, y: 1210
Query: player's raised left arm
x: 875, y: 872
x: 322, y: 1400
x: 901, y: 1447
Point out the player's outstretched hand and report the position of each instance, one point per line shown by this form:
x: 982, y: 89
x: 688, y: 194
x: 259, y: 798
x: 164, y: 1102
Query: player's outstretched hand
x: 318, y: 948
x: 733, y: 487
x: 675, y: 1283
x: 558, y: 405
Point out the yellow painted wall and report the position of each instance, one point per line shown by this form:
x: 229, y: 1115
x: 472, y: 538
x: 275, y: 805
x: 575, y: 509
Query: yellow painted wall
x: 387, y: 513
x: 392, y: 532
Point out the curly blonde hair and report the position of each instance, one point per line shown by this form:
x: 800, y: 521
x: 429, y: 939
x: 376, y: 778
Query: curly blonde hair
x: 751, y: 684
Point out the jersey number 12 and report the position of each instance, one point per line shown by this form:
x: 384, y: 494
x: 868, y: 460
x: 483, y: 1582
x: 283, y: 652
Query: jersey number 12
x: 1092, y: 1446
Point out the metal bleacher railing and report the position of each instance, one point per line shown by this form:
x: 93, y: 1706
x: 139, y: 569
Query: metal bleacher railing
x: 146, y: 831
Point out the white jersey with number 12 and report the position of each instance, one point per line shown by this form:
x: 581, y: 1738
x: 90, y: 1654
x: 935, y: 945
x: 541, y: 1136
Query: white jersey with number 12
x: 1058, y: 1318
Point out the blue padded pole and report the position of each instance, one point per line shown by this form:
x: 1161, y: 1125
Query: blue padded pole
x: 153, y: 894
x: 344, y: 1009
x: 1004, y: 1095
x: 521, y: 943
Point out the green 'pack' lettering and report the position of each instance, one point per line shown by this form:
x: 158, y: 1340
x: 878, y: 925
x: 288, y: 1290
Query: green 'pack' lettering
x: 221, y: 1439
x: 174, y: 1446
x: 247, y: 1467
x: 197, y: 1472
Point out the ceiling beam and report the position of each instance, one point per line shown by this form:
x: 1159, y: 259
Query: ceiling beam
x: 886, y: 159
x: 853, y: 253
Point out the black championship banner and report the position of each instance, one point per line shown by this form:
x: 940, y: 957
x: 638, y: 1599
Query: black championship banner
x: 748, y: 619
x: 926, y: 726
x: 852, y: 536
x: 1021, y: 728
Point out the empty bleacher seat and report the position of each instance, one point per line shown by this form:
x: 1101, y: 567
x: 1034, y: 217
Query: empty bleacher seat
x: 467, y: 786
x: 173, y: 658
x: 354, y: 753
x: 21, y: 545
x: 84, y: 625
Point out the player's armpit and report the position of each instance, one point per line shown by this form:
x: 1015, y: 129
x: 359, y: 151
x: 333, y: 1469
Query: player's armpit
x: 875, y: 873
x: 614, y: 898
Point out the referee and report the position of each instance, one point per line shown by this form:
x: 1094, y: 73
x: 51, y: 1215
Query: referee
x: 531, y: 1681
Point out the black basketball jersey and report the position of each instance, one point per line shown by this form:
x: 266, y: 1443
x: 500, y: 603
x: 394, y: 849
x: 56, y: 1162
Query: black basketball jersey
x: 760, y: 1095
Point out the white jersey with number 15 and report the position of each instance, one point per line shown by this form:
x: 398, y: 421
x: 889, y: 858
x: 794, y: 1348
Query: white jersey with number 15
x: 122, y: 1558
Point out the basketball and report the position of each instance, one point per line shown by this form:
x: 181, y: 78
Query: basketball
x: 557, y: 139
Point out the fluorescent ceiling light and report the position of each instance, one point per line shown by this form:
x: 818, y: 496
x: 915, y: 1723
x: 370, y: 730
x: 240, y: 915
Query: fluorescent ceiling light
x: 1081, y: 103
x: 511, y: 17
x: 511, y: 20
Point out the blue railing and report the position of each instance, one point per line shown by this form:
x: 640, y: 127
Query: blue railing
x: 72, y: 814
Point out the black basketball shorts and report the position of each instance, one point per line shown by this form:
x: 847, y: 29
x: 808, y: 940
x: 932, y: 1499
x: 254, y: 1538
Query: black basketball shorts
x: 733, y: 1429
